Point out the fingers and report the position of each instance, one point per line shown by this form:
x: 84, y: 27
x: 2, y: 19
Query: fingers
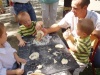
x: 22, y: 43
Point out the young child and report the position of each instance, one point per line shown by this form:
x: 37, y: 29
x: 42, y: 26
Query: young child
x: 27, y: 28
x: 80, y: 47
x: 8, y: 55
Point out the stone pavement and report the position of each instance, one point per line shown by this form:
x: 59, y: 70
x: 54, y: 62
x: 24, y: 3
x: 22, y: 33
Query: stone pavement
x: 12, y: 26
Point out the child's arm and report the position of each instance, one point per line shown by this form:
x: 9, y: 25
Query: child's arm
x: 38, y: 25
x: 18, y: 59
x: 4, y: 71
x: 21, y: 41
x: 15, y: 72
x: 70, y: 40
x: 71, y: 45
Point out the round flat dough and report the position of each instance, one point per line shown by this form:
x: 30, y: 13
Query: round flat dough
x: 59, y: 46
x: 34, y: 55
x: 29, y: 72
x: 64, y: 61
x: 38, y: 71
x: 55, y: 61
x: 39, y: 66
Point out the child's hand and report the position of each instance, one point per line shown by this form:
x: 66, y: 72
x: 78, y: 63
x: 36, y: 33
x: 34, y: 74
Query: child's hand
x: 38, y: 25
x: 19, y: 71
x: 22, y: 43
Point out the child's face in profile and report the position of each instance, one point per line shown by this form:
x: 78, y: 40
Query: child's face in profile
x: 26, y: 21
x: 3, y: 38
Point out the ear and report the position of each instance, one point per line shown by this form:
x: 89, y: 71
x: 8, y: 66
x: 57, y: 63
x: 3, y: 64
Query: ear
x: 84, y: 34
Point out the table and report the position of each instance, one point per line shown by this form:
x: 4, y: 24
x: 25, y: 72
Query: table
x: 46, y: 59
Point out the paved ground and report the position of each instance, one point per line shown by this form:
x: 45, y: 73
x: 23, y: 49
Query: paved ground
x: 12, y: 26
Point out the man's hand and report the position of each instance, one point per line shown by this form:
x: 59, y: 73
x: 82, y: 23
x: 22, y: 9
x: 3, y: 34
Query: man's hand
x: 44, y: 31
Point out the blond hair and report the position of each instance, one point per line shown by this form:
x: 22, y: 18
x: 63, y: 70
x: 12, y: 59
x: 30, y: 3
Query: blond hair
x: 21, y: 14
x: 1, y: 28
x: 86, y: 25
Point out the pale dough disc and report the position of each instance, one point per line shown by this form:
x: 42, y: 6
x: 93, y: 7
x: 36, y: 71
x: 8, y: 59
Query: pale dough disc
x: 55, y: 53
x: 55, y: 61
x: 37, y: 71
x: 64, y: 61
x: 34, y: 55
x: 59, y: 46
x: 29, y: 72
x: 39, y: 66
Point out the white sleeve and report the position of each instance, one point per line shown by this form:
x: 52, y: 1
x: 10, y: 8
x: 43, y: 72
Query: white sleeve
x: 2, y: 70
x: 98, y: 22
x: 65, y: 22
x: 14, y: 50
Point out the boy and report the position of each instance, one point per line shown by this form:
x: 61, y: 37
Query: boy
x: 8, y: 55
x: 80, y: 47
x: 27, y: 28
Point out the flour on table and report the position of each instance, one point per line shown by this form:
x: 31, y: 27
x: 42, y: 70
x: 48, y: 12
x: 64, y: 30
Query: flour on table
x: 34, y: 55
x: 44, y: 41
x: 64, y: 61
x: 59, y: 46
x: 55, y: 53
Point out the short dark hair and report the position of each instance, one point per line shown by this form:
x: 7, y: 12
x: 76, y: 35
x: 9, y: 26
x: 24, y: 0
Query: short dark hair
x: 1, y: 28
x: 83, y: 2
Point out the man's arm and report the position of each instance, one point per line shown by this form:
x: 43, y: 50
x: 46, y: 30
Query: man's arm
x: 97, y: 33
x: 53, y: 28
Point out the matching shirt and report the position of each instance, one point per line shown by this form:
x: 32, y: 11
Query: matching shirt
x: 83, y: 47
x: 24, y: 31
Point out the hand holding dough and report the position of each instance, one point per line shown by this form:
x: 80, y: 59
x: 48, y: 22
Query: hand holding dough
x: 39, y: 35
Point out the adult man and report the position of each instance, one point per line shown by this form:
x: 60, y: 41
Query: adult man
x: 79, y: 10
x: 24, y: 5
